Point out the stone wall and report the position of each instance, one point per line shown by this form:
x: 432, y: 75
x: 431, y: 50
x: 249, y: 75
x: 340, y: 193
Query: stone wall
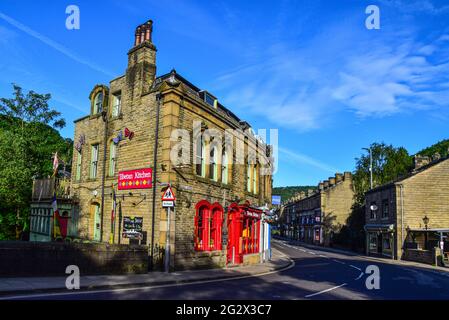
x: 422, y: 256
x: 51, y: 259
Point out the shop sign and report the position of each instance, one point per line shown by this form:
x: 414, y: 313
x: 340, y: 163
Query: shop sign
x: 132, y: 228
x: 252, y: 214
x: 135, y: 179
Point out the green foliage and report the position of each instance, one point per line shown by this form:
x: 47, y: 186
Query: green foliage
x: 389, y: 163
x: 441, y: 147
x: 26, y: 147
x: 288, y: 192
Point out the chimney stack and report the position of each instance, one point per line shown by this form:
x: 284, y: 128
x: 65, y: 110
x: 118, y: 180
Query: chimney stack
x: 338, y: 177
x: 332, y: 181
x: 421, y: 161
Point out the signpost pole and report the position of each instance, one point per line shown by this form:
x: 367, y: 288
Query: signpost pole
x: 167, y: 242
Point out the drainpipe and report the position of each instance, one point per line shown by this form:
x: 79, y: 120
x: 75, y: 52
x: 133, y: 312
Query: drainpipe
x: 156, y: 135
x: 103, y: 177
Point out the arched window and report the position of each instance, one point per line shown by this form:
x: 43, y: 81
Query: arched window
x: 225, y: 168
x: 213, y: 166
x: 208, y: 226
x: 216, y: 227
x: 248, y: 177
x: 98, y: 103
x: 200, y: 158
x: 255, y: 181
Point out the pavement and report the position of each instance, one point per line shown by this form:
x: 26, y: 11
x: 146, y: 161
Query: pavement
x: 41, y: 285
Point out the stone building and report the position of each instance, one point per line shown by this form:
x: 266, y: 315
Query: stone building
x: 165, y: 130
x: 316, y: 215
x: 405, y: 213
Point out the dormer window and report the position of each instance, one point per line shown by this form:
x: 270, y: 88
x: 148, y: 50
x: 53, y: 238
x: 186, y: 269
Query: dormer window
x: 98, y: 103
x: 210, y: 99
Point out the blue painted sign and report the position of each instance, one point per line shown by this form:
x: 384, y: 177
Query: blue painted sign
x: 276, y: 200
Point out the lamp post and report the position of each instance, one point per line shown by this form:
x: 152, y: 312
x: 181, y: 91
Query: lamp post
x: 426, y: 223
x: 370, y: 165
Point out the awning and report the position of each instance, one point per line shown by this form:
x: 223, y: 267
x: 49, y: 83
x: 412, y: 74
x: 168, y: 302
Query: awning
x: 439, y: 230
x: 379, y: 227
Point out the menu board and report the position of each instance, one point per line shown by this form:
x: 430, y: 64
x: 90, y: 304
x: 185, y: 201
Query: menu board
x: 132, y: 228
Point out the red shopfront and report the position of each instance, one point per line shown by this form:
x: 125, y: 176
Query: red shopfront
x: 243, y: 232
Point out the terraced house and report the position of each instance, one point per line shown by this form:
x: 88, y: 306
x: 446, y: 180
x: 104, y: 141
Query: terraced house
x: 316, y: 215
x: 123, y: 162
x: 409, y: 217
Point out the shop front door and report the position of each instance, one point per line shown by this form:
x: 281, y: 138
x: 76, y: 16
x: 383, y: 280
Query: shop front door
x: 379, y: 243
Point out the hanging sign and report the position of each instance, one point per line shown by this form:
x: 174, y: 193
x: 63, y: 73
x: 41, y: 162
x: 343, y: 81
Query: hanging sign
x: 135, y: 179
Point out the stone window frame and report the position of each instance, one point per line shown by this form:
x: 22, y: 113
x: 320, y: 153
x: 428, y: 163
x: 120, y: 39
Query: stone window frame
x: 96, y: 91
x: 112, y: 162
x: 116, y: 109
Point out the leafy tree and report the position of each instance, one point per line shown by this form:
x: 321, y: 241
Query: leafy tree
x: 441, y: 147
x: 389, y: 163
x: 288, y: 192
x: 27, y: 143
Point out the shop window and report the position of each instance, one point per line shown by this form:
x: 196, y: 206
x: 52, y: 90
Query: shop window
x: 208, y: 226
x: 98, y: 103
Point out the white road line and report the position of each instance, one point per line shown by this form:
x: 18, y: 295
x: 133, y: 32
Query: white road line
x: 312, y: 253
x: 357, y: 268
x: 322, y: 256
x: 324, y: 291
x: 338, y: 261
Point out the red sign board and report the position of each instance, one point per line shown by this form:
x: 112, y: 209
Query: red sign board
x: 135, y: 179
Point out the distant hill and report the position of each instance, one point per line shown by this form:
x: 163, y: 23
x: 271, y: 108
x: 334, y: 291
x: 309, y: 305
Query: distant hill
x: 440, y: 147
x: 288, y: 192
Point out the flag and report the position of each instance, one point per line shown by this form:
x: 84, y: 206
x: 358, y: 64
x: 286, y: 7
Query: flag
x: 56, y: 219
x: 55, y: 164
x: 113, y: 213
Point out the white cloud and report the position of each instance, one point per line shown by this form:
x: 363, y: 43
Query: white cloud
x: 306, y: 160
x: 338, y: 68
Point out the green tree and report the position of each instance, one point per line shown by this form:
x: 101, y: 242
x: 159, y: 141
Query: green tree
x: 389, y: 163
x: 27, y: 143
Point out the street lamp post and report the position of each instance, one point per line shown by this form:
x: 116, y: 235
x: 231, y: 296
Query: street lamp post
x: 426, y: 223
x: 370, y: 165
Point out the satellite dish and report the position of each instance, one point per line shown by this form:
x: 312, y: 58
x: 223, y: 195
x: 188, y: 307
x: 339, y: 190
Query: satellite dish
x: 373, y: 207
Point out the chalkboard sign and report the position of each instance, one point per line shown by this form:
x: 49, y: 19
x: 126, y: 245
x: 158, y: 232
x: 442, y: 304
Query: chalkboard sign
x: 132, y: 227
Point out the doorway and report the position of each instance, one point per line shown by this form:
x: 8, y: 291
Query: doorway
x: 97, y: 222
x: 379, y: 243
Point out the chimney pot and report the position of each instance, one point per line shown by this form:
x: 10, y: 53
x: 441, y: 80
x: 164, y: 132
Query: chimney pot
x: 421, y: 161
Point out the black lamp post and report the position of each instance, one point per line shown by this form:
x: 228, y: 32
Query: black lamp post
x: 426, y: 223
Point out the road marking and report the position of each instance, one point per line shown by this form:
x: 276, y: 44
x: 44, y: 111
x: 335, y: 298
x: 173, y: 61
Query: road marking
x: 324, y: 291
x: 312, y: 253
x: 357, y: 268
x: 292, y: 265
x: 338, y: 261
x: 322, y: 256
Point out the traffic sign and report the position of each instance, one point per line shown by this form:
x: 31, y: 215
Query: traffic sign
x: 168, y: 204
x: 168, y: 195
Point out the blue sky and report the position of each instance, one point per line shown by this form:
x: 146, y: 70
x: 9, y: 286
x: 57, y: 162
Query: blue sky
x: 308, y: 68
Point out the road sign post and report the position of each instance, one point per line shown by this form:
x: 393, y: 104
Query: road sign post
x: 168, y: 201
